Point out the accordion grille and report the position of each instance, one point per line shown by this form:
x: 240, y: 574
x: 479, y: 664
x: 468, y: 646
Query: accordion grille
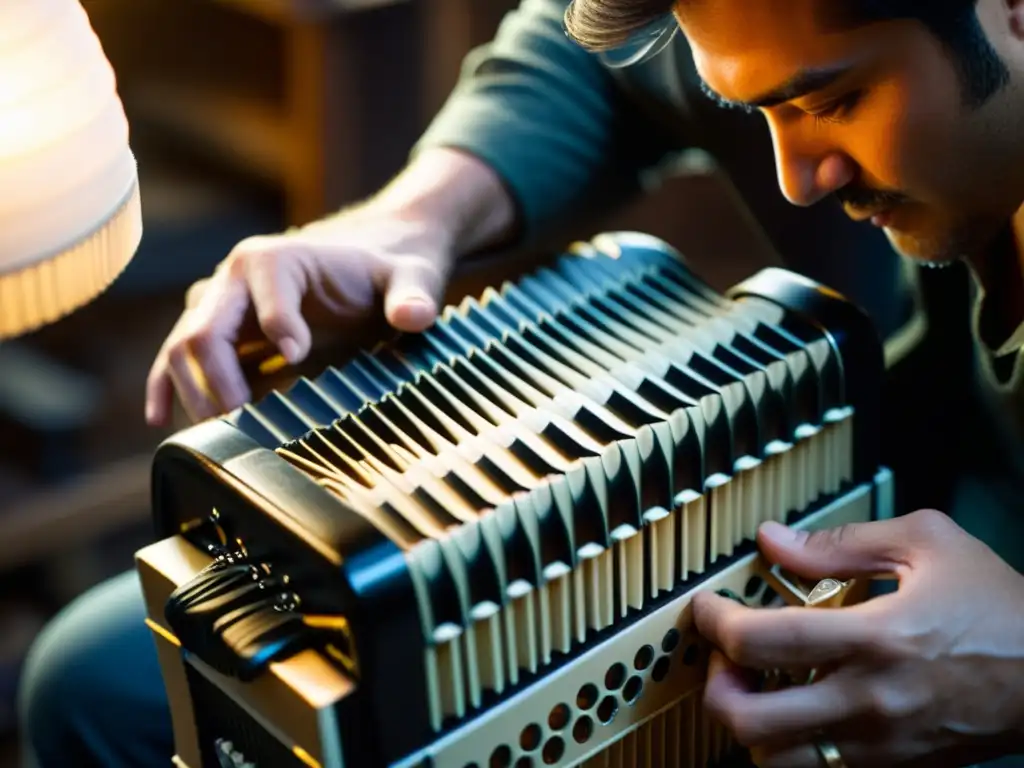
x: 228, y: 735
x: 683, y: 736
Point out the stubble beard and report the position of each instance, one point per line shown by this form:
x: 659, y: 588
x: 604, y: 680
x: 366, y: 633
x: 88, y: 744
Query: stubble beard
x: 968, y: 241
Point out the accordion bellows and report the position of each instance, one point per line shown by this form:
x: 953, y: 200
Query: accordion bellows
x: 486, y: 535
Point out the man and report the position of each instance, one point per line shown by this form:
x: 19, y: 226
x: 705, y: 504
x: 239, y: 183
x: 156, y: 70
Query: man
x: 539, y: 129
x: 906, y: 112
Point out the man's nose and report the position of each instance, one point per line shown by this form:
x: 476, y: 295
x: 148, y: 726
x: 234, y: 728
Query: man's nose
x: 809, y: 170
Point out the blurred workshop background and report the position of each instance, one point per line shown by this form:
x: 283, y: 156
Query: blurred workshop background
x: 246, y: 116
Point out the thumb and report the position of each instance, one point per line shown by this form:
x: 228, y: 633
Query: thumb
x: 856, y: 550
x: 414, y: 292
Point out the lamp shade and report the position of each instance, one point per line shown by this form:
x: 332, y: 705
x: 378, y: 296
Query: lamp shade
x: 70, y: 214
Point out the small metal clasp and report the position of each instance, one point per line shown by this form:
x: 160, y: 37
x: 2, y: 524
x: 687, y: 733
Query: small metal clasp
x: 795, y: 591
x: 827, y: 593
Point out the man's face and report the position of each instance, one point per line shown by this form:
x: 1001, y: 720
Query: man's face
x: 873, y: 116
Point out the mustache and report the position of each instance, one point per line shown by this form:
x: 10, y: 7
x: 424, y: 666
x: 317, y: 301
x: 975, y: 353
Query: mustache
x: 867, y: 199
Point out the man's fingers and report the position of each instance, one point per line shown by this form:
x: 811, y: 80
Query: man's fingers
x: 859, y: 752
x: 756, y: 718
x: 159, y: 393
x: 726, y: 681
x: 193, y: 393
x: 171, y: 370
x: 277, y: 283
x: 273, y: 277
x: 212, y: 330
x: 220, y: 385
x: 848, y: 551
x: 199, y: 360
x: 413, y: 293
x: 780, y: 638
x: 195, y: 292
x: 801, y: 755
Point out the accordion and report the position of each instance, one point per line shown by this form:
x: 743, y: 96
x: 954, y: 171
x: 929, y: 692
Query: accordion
x: 477, y: 546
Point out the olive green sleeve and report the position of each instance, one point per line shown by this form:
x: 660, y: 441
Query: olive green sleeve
x: 546, y: 116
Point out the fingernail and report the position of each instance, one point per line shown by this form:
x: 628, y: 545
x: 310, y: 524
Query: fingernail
x: 290, y: 349
x: 779, y: 532
x: 413, y: 312
x: 416, y: 302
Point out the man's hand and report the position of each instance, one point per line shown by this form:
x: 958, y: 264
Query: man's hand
x: 275, y: 288
x: 400, y: 244
x: 930, y: 675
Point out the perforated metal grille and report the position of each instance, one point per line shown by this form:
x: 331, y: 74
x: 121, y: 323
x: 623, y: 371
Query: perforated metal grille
x: 228, y: 736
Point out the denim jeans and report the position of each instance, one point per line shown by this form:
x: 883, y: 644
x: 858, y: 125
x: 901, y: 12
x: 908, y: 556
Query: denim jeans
x: 92, y: 693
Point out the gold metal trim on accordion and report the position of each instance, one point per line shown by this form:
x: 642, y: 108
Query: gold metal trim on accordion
x: 477, y: 546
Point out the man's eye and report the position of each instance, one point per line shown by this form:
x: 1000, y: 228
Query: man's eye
x: 839, y: 111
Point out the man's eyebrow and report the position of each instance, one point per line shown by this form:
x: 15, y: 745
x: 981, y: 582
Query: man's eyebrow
x: 802, y: 84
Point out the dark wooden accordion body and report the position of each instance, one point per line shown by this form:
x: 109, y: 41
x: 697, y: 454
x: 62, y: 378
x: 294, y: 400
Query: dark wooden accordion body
x: 476, y: 547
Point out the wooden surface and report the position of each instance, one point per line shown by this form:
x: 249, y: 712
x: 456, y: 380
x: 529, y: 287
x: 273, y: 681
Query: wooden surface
x: 247, y: 133
x: 285, y: 11
x: 114, y: 341
x: 53, y: 520
x: 318, y: 99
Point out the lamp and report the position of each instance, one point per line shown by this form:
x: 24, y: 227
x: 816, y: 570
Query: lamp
x: 70, y: 214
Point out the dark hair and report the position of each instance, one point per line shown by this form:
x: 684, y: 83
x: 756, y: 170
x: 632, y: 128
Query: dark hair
x: 601, y: 25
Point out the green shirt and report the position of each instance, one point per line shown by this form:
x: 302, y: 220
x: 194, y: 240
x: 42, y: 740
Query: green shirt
x: 554, y: 123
